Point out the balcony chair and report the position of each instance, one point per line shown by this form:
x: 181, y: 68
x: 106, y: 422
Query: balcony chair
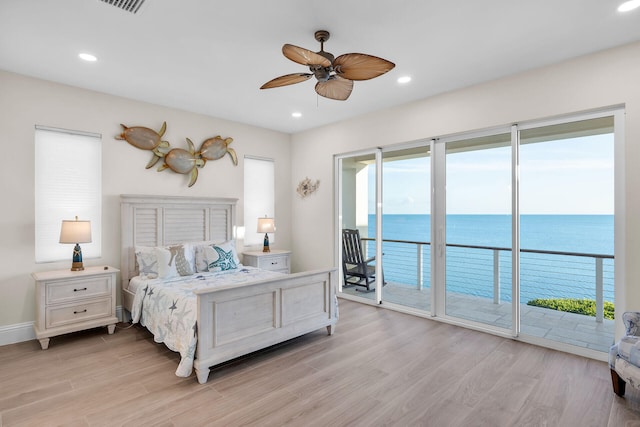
x: 624, y: 356
x: 357, y: 270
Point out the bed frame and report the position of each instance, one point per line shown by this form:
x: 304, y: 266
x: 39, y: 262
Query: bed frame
x: 233, y: 320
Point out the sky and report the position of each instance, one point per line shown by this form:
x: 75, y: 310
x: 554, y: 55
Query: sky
x: 569, y: 176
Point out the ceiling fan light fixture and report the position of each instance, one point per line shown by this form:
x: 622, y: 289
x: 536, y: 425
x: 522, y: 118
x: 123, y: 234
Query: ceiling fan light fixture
x: 322, y: 74
x: 296, y: 114
x: 335, y: 76
x: 404, y: 79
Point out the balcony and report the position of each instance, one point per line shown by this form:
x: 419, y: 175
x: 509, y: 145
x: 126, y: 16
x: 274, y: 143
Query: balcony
x: 479, y: 288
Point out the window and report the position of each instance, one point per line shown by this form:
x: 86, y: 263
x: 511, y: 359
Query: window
x: 521, y: 216
x: 259, y: 196
x: 68, y: 183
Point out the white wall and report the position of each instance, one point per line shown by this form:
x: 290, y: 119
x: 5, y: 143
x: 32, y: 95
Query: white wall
x: 25, y: 102
x: 604, y: 79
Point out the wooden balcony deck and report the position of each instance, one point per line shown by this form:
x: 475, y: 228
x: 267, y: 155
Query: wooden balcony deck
x: 574, y: 329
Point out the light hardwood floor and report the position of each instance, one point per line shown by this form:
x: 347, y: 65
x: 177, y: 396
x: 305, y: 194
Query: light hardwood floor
x: 379, y: 368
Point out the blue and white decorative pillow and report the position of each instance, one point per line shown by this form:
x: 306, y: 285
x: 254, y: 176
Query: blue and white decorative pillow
x: 222, y: 257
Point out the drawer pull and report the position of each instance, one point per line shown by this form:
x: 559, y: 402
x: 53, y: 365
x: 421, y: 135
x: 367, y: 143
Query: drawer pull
x: 78, y: 312
x: 274, y: 263
x: 80, y: 289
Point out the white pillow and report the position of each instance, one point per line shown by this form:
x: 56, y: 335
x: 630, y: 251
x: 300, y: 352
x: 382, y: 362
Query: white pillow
x: 175, y: 260
x: 222, y: 256
x: 147, y: 262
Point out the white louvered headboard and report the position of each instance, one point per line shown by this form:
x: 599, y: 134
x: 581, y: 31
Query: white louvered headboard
x: 165, y: 220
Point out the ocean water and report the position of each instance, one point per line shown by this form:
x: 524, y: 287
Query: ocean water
x: 471, y: 270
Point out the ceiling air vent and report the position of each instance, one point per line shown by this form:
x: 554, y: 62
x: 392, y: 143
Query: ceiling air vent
x: 132, y: 6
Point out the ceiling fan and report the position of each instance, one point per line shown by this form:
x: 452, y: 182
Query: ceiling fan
x: 335, y: 75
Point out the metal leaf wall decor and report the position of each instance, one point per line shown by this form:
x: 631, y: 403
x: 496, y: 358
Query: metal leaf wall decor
x: 178, y: 160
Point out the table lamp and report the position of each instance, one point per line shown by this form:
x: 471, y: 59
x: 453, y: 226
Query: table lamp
x: 266, y: 225
x: 75, y: 231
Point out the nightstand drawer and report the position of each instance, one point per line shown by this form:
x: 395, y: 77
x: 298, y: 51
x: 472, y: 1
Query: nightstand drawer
x: 277, y: 260
x: 274, y: 263
x: 64, y: 315
x: 72, y: 290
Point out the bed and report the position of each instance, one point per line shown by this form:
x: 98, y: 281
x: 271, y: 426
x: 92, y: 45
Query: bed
x: 236, y: 310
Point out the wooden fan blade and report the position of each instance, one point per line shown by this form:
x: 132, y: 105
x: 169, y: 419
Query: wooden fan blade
x: 335, y: 88
x: 360, y: 66
x: 285, y: 80
x: 304, y: 56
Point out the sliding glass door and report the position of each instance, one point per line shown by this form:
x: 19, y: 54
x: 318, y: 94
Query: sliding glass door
x: 509, y: 230
x: 396, y: 249
x: 478, y: 229
x: 406, y: 226
x: 358, y: 224
x: 567, y: 232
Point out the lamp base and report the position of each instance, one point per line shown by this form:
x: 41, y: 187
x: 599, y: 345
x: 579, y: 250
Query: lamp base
x: 77, y: 266
x: 265, y: 244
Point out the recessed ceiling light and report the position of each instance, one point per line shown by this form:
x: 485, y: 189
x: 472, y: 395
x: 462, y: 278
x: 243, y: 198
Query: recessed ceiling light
x: 87, y: 57
x: 628, y: 5
x: 404, y: 79
x: 296, y: 115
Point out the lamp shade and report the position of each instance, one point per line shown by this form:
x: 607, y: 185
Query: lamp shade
x: 266, y: 225
x: 75, y: 231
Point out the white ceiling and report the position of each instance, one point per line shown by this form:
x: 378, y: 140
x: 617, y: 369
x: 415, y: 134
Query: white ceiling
x: 211, y: 57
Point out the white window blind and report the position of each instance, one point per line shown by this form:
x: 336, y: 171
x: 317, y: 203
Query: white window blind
x: 68, y: 183
x: 259, y: 197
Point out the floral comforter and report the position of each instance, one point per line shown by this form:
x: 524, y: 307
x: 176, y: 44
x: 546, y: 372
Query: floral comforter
x: 167, y: 308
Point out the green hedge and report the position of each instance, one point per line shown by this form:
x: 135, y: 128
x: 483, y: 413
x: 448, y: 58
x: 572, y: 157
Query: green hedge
x: 580, y: 306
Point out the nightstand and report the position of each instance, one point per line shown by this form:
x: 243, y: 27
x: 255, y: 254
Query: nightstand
x: 69, y: 301
x: 276, y: 260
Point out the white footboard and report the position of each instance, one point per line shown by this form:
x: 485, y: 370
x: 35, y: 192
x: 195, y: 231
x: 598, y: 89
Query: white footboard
x: 237, y: 320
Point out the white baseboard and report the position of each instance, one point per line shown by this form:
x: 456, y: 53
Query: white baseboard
x: 21, y: 332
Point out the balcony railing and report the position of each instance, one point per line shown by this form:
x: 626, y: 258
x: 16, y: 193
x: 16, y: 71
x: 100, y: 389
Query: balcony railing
x: 470, y: 268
